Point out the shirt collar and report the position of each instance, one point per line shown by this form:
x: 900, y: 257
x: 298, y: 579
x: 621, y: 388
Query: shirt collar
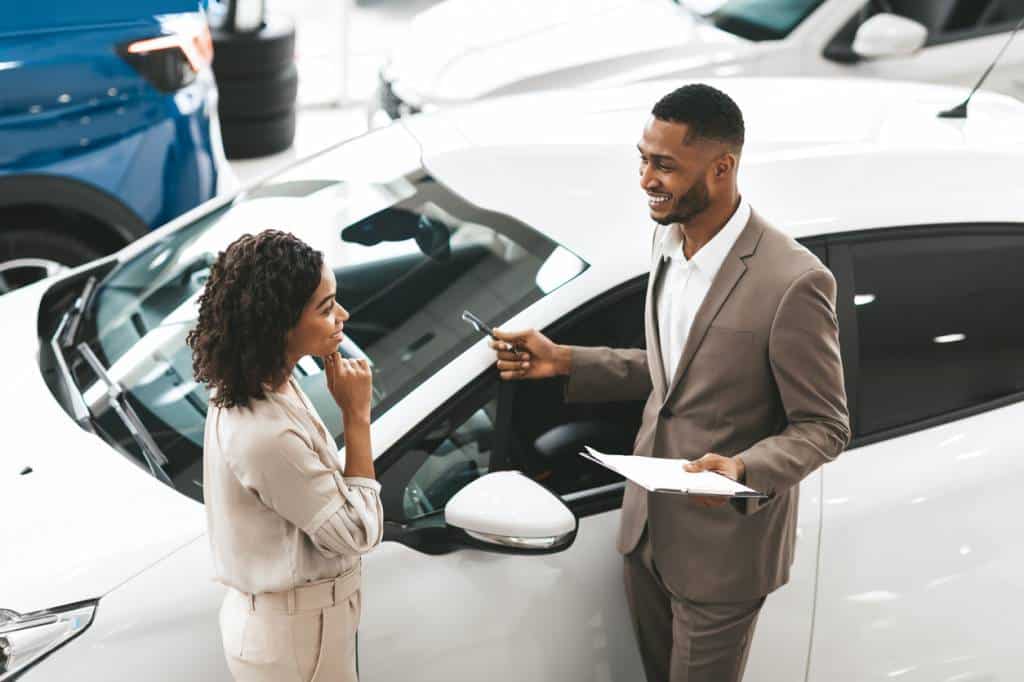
x: 710, y: 256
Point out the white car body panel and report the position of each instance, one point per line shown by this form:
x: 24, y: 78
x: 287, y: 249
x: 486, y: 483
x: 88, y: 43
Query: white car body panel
x: 817, y: 163
x: 82, y: 522
x: 161, y: 625
x: 920, y: 530
x: 479, y: 615
x: 464, y: 50
x: 561, y: 39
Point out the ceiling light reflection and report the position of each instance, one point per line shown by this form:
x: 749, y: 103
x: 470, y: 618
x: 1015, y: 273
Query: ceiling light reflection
x: 873, y: 597
x: 952, y: 439
x: 904, y: 671
x: 939, y: 582
x: 950, y: 338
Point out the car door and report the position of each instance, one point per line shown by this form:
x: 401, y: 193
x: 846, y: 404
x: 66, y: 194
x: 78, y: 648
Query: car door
x: 435, y: 610
x: 920, y: 561
x: 964, y: 36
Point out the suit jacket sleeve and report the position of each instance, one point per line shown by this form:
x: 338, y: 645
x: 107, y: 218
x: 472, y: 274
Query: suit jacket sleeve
x: 803, y: 350
x: 607, y: 374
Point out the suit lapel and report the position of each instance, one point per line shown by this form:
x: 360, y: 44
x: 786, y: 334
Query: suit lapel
x: 654, y: 359
x: 733, y: 268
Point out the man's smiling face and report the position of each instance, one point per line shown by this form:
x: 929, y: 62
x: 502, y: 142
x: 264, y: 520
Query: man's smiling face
x: 673, y: 171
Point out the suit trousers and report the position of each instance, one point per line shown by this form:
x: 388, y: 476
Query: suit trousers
x: 306, y: 634
x: 682, y: 640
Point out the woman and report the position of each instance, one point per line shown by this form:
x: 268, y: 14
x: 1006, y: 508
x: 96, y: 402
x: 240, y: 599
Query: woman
x: 288, y: 515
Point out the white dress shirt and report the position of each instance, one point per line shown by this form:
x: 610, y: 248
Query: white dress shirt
x: 685, y: 283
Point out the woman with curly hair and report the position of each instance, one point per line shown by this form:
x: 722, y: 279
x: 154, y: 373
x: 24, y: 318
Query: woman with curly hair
x: 288, y: 515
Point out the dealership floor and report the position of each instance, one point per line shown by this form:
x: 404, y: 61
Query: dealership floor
x: 326, y: 114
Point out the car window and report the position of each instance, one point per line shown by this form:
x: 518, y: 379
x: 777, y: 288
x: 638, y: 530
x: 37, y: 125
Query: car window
x: 462, y: 456
x: 982, y: 15
x: 526, y: 426
x: 409, y: 254
x: 762, y: 19
x: 1003, y: 13
x: 940, y: 325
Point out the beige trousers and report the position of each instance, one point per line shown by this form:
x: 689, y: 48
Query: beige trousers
x: 682, y: 640
x: 307, y: 634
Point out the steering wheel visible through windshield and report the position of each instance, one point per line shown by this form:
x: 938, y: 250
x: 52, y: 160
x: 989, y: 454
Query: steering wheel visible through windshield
x: 409, y: 256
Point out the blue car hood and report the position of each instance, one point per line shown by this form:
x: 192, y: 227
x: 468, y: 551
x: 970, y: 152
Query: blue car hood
x: 46, y: 15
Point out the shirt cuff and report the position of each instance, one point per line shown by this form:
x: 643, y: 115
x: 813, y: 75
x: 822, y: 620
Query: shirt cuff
x: 360, y: 482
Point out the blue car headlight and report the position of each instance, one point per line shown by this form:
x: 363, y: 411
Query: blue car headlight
x: 26, y: 638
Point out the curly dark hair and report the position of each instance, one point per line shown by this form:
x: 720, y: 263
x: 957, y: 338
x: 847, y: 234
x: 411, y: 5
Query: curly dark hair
x: 257, y: 290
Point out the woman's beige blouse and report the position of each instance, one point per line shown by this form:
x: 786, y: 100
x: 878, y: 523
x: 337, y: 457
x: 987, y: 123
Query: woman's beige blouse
x: 279, y: 512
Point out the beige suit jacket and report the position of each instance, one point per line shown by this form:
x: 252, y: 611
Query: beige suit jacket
x: 760, y: 378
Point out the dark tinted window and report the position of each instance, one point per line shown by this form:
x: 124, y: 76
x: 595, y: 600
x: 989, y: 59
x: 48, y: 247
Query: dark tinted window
x: 762, y: 19
x: 940, y: 321
x: 1004, y: 12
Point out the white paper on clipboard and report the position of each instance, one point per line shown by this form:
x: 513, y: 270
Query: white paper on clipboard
x: 660, y: 475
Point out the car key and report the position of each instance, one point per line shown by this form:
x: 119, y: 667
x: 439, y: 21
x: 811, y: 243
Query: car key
x: 482, y: 327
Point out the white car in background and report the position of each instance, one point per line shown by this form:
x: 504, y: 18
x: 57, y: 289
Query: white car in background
x: 463, y: 50
x: 527, y: 211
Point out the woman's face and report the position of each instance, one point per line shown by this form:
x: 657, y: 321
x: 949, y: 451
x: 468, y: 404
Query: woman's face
x: 318, y: 331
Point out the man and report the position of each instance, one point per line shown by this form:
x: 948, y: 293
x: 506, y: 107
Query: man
x: 742, y: 376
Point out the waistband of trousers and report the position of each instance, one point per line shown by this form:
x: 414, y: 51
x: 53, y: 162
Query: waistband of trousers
x: 309, y: 597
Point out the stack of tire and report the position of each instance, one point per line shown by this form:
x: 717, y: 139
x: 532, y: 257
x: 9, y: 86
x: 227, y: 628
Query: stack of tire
x: 257, y: 81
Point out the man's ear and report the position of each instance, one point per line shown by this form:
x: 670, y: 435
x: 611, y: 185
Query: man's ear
x: 724, y: 164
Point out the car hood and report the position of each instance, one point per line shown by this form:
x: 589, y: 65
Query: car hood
x: 79, y: 519
x: 461, y: 50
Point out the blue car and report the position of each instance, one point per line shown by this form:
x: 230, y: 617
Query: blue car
x: 108, y: 127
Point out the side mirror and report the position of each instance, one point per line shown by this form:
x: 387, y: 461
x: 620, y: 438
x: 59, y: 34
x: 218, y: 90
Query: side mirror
x: 889, y: 35
x: 507, y: 511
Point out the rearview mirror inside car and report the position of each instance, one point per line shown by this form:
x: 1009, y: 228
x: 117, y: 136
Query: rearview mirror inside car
x: 396, y: 225
x: 507, y: 511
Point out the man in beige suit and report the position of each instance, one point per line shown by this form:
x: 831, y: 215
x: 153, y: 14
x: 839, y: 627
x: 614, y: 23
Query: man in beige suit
x: 742, y: 375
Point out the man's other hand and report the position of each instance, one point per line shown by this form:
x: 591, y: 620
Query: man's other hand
x: 728, y: 466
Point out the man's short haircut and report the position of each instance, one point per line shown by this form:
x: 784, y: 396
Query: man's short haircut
x: 709, y: 113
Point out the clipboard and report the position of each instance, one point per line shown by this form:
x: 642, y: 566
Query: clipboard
x: 660, y: 475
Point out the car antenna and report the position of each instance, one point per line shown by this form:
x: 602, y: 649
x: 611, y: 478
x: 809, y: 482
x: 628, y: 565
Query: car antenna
x: 960, y: 110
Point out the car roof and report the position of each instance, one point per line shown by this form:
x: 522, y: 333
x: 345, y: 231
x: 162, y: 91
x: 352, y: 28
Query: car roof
x: 821, y: 156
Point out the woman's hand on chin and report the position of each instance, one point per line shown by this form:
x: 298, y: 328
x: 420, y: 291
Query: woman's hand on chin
x: 350, y: 382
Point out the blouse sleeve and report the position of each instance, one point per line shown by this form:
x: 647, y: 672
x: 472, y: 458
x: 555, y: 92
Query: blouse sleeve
x: 357, y: 527
x: 342, y: 516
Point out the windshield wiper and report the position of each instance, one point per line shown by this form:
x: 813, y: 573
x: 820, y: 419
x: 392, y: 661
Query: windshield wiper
x: 79, y: 410
x: 154, y: 456
x: 74, y: 315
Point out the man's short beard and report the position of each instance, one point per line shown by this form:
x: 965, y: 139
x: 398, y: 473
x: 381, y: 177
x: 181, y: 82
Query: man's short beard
x: 693, y: 203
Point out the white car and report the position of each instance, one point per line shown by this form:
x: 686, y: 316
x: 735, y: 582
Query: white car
x: 908, y: 558
x: 463, y: 50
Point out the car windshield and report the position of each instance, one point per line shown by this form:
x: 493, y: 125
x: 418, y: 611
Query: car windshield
x: 755, y: 19
x: 409, y: 255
